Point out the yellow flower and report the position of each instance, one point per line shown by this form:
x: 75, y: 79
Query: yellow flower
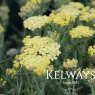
x: 2, y: 82
x: 91, y: 51
x: 11, y: 72
x: 81, y: 32
x: 76, y: 5
x: 37, y: 53
x: 35, y: 22
x: 55, y: 35
x: 42, y: 68
x: 73, y: 9
x: 1, y: 28
x: 60, y: 18
x: 31, y: 6
x: 87, y: 14
x: 70, y: 63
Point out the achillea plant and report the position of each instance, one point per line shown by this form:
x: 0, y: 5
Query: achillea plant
x: 58, y: 52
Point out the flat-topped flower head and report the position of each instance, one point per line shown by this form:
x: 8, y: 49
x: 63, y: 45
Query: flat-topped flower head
x: 31, y: 6
x: 76, y: 5
x: 73, y: 8
x: 37, y: 53
x: 87, y: 14
x: 35, y: 22
x: 91, y: 51
x: 70, y: 63
x: 81, y: 32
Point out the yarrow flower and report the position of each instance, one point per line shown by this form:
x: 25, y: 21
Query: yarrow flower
x: 73, y: 8
x: 91, y: 51
x: 37, y: 54
x: 55, y: 35
x: 35, y: 22
x: 87, y: 14
x: 60, y: 18
x: 70, y: 63
x: 31, y: 6
x: 81, y: 32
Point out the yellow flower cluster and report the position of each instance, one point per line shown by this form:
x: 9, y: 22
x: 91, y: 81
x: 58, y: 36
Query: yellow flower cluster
x: 81, y: 32
x: 35, y: 22
x: 73, y: 8
x: 31, y: 6
x: 1, y: 28
x: 55, y: 35
x: 87, y: 74
x: 70, y: 63
x: 60, y: 18
x: 91, y: 51
x: 13, y: 71
x: 2, y: 82
x: 37, y: 54
x: 87, y: 14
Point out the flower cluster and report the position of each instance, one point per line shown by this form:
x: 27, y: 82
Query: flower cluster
x: 73, y: 8
x: 43, y: 50
x: 87, y: 14
x: 60, y: 18
x: 91, y: 51
x: 30, y: 6
x: 81, y: 32
x: 55, y: 35
x: 35, y: 22
x: 70, y: 63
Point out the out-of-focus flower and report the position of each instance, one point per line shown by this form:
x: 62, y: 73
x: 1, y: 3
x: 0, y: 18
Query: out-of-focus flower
x: 55, y: 35
x: 12, y: 52
x: 70, y: 63
x: 35, y: 22
x: 11, y: 72
x: 72, y: 9
x: 2, y: 82
x: 31, y: 6
x: 81, y: 32
x: 87, y: 14
x: 91, y: 51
